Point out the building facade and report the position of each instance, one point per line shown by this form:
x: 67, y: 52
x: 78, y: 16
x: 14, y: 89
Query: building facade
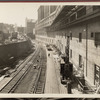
x: 30, y: 24
x: 79, y: 24
x: 5, y: 31
x: 21, y: 30
x: 29, y: 28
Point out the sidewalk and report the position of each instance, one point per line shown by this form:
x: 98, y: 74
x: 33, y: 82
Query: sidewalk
x: 53, y: 84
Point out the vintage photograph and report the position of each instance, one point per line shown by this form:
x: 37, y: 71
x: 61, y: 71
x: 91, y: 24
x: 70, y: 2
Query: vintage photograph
x: 49, y: 49
x: 49, y: 98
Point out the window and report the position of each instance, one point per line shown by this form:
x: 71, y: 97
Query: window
x: 71, y: 36
x: 80, y: 61
x: 81, y: 12
x: 97, y: 38
x: 80, y: 37
x: 97, y: 75
x: 70, y: 53
x: 73, y: 17
x: 92, y: 34
x: 96, y: 8
x: 52, y: 8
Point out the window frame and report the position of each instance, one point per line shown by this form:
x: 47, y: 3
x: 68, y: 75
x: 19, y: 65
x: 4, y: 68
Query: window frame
x: 80, y: 37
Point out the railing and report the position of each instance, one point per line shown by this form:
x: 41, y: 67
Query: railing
x: 83, y: 86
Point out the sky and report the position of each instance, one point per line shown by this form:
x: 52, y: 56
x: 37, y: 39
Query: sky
x: 16, y: 13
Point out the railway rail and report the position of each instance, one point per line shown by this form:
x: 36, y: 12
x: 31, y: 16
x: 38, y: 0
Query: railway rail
x: 39, y: 88
x: 25, y: 67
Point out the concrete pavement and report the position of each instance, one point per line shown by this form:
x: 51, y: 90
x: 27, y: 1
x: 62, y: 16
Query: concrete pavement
x: 53, y: 84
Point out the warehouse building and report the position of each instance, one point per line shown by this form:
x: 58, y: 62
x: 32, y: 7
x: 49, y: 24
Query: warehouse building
x: 78, y: 27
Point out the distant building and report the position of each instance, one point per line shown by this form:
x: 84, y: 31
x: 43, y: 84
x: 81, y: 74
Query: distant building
x: 5, y: 31
x: 30, y: 26
x: 6, y: 28
x: 21, y: 30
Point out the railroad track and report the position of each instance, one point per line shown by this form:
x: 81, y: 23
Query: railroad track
x: 24, y: 68
x: 40, y: 82
x: 38, y: 79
